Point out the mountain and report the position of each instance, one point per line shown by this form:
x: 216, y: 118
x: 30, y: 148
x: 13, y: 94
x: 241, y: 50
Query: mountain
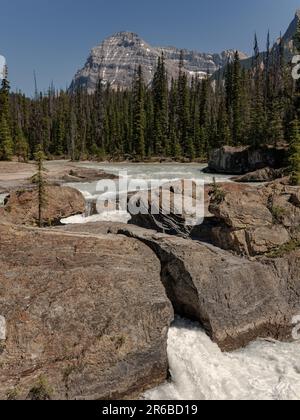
x: 2, y: 67
x: 287, y: 43
x: 288, y: 36
x: 117, y: 57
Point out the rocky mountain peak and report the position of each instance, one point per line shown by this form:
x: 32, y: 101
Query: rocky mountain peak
x: 117, y: 57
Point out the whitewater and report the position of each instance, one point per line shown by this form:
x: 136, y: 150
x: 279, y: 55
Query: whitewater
x: 154, y: 174
x: 265, y: 370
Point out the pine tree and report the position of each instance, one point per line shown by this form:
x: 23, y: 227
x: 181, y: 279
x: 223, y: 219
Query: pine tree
x: 139, y: 115
x: 39, y: 180
x: 258, y: 115
x: 297, y: 83
x: 183, y: 110
x: 276, y: 129
x: 6, y: 144
x: 160, y: 108
x: 21, y: 146
x: 223, y: 130
x: 236, y: 101
x: 204, y: 112
x: 98, y: 115
x: 175, y: 147
x: 6, y: 151
x: 295, y: 153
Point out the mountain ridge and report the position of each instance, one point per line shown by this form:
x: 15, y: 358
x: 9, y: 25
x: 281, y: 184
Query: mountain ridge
x: 117, y: 57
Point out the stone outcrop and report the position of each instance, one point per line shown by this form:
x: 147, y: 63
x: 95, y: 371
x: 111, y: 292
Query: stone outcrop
x: 166, y: 210
x: 81, y: 175
x: 254, y: 221
x: 261, y: 175
x: 235, y: 299
x: 81, y: 316
x: 15, y: 175
x: 115, y: 61
x: 241, y: 160
x: 21, y: 207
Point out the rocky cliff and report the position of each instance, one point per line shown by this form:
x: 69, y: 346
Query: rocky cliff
x: 117, y: 57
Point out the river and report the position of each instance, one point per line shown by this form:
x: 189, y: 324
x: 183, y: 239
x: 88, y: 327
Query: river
x: 265, y: 370
x: 155, y: 174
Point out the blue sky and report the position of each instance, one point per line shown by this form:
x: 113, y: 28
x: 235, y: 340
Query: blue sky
x: 54, y: 37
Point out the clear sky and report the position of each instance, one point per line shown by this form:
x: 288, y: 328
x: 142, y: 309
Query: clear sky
x: 54, y: 37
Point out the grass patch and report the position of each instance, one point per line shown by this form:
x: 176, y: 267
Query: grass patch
x: 40, y: 392
x: 291, y: 246
x: 217, y: 194
x: 278, y: 214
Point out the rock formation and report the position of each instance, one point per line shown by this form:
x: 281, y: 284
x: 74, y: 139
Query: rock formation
x: 254, y: 221
x: 84, y: 316
x: 117, y: 57
x: 262, y: 175
x: 21, y: 207
x: 235, y: 299
x: 241, y: 160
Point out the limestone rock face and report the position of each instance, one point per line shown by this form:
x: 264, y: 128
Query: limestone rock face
x: 86, y: 316
x: 22, y: 207
x: 117, y: 57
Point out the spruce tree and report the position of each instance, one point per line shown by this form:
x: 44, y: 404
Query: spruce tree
x: 297, y: 83
x: 6, y: 151
x: 6, y: 143
x: 258, y: 114
x: 39, y: 180
x: 175, y: 147
x: 295, y: 153
x: 237, y: 132
x: 183, y: 110
x: 160, y: 108
x: 21, y: 146
x: 139, y: 115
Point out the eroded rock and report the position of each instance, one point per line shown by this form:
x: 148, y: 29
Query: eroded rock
x: 241, y: 160
x: 253, y: 221
x: 261, y: 175
x: 86, y: 316
x: 21, y: 207
x: 236, y: 299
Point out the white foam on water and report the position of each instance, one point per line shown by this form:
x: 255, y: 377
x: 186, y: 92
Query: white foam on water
x: 109, y: 216
x: 2, y: 198
x: 265, y: 370
x: 146, y: 176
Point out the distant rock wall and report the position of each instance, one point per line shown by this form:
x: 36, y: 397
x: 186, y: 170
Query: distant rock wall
x: 240, y: 160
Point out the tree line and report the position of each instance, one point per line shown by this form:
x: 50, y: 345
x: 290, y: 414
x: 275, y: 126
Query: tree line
x: 178, y: 118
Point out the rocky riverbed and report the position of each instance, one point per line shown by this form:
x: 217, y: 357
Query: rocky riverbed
x: 86, y: 309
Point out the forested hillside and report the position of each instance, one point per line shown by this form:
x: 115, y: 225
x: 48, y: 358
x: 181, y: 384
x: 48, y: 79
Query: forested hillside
x: 181, y: 119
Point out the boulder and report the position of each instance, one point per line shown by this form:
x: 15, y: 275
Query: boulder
x: 81, y: 316
x: 261, y: 175
x: 255, y: 221
x: 22, y: 207
x: 83, y: 175
x: 241, y: 160
x: 241, y: 209
x: 165, y: 210
x: 236, y: 300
